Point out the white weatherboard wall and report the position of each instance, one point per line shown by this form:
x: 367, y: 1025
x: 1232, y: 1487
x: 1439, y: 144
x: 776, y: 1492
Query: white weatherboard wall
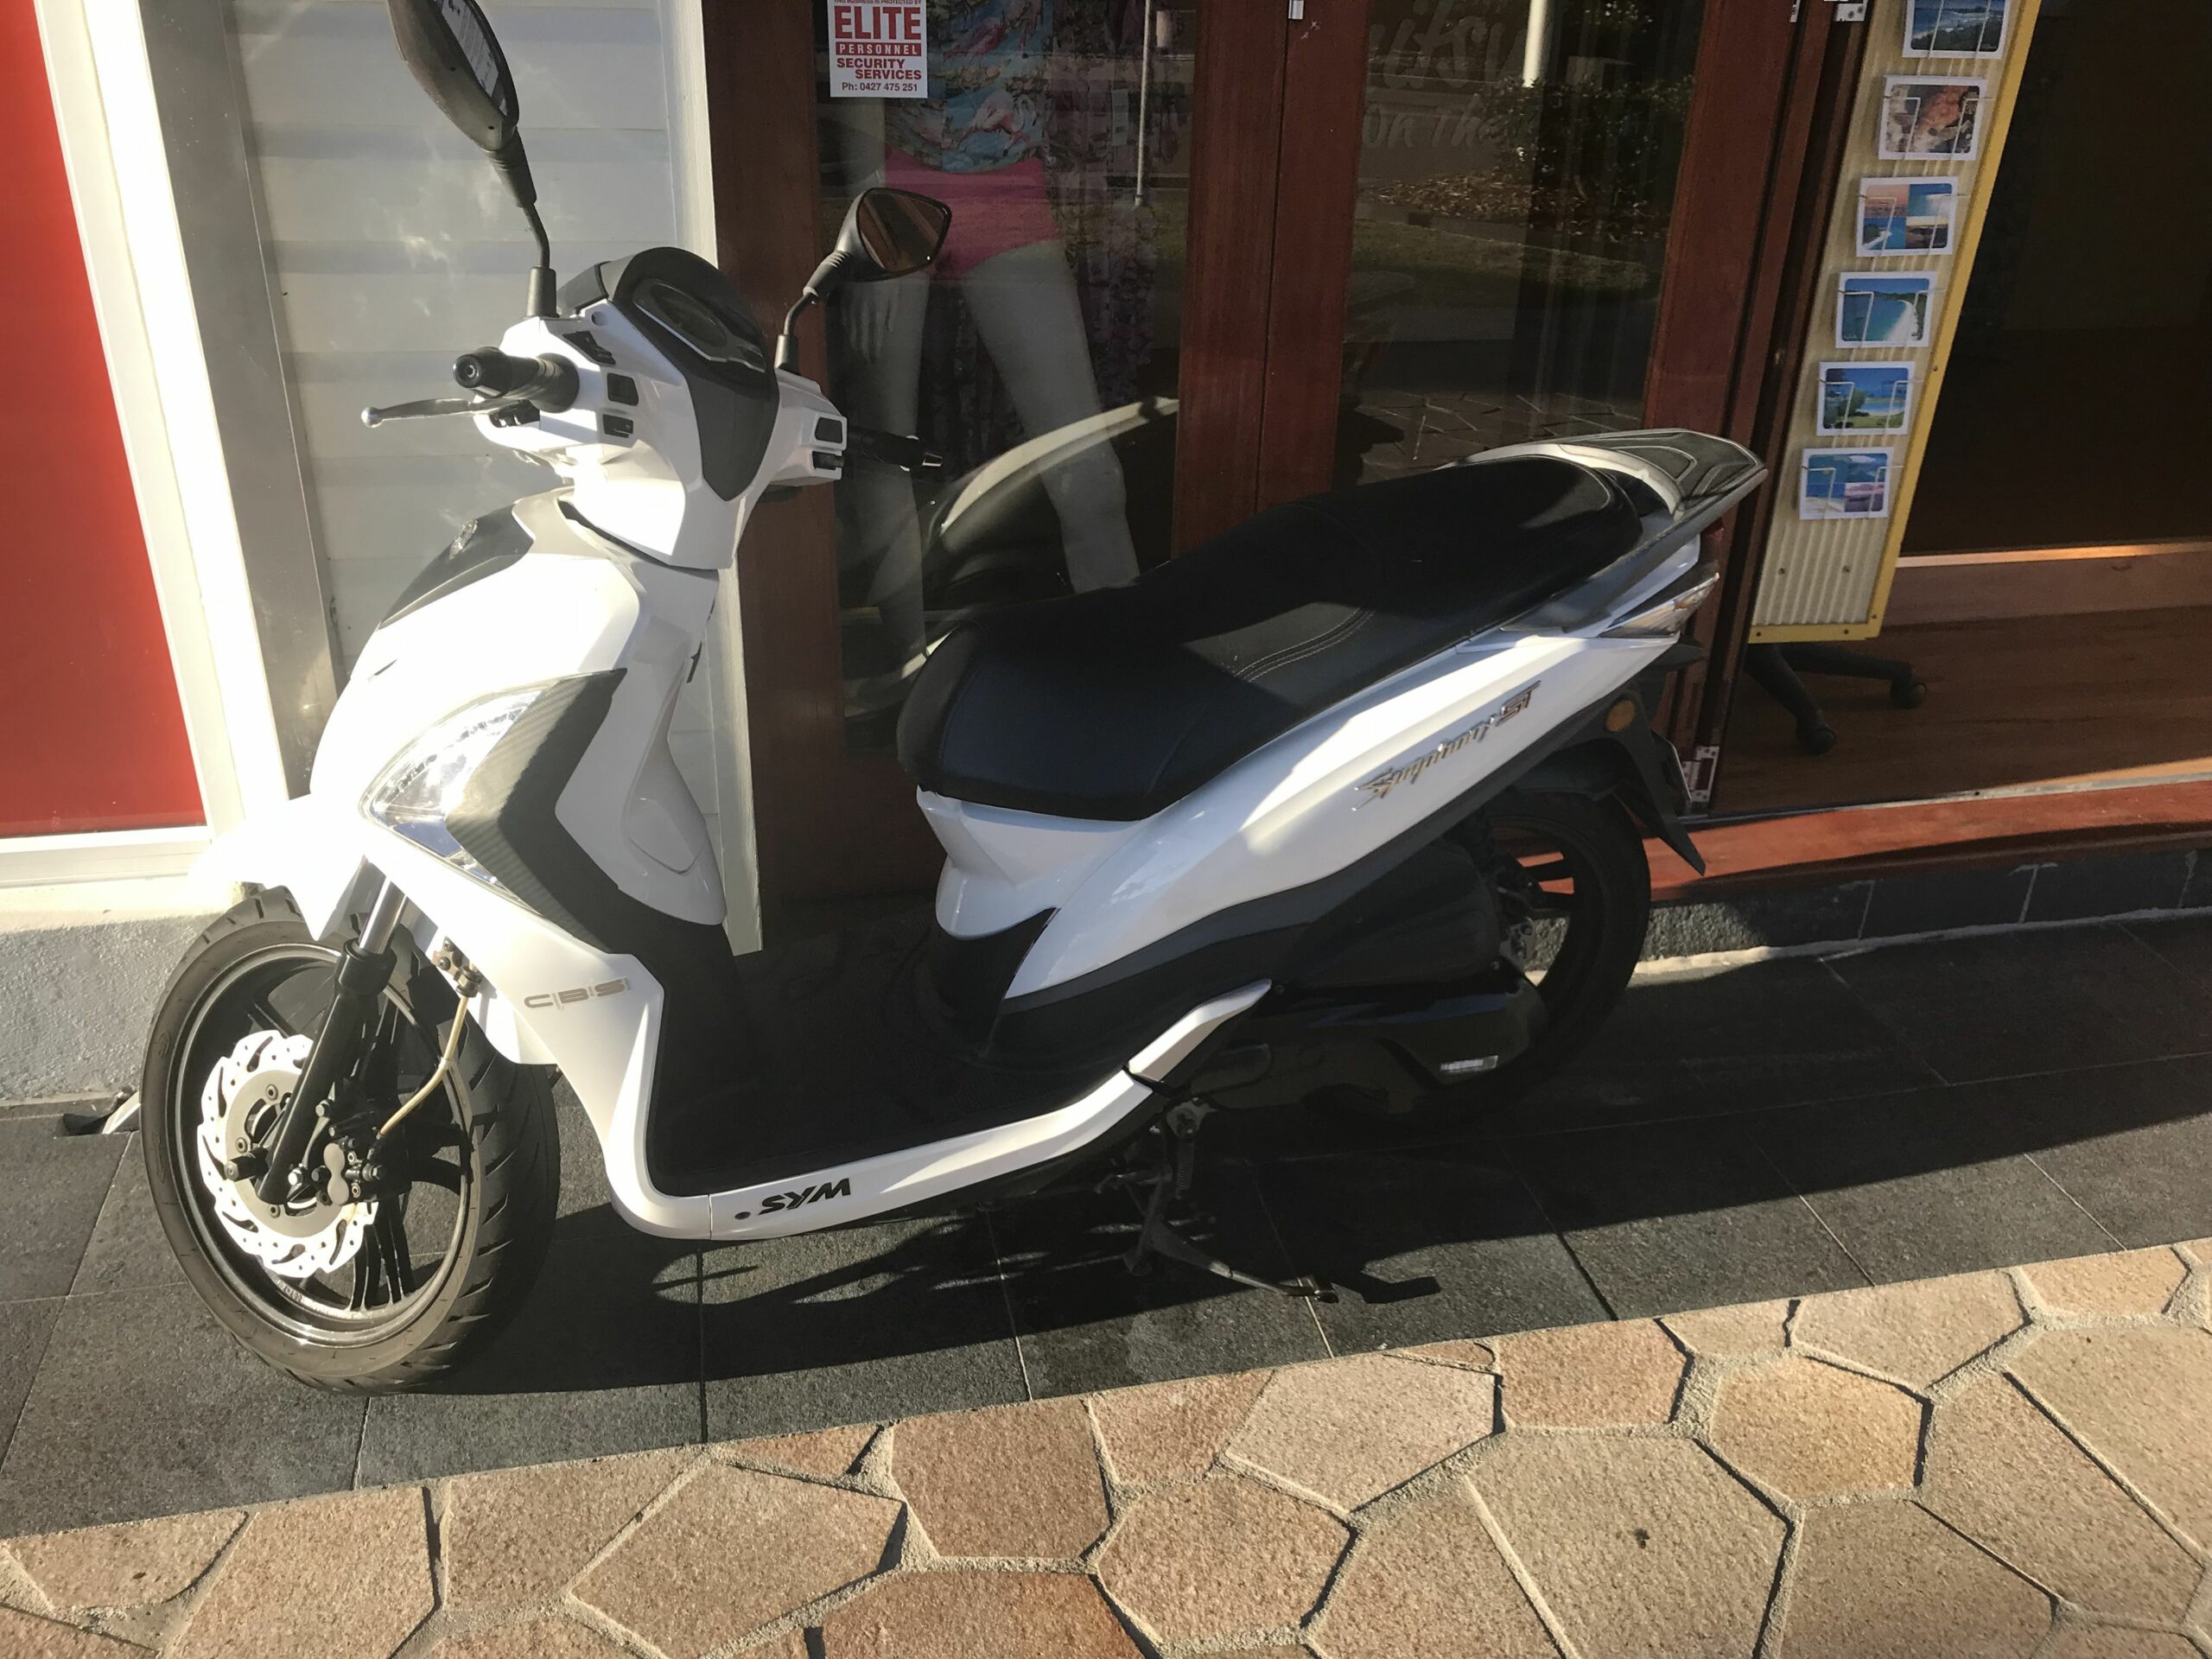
x: 393, y: 246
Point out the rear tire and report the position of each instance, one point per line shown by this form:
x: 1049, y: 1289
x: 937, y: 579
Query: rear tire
x: 1602, y: 892
x: 496, y: 1118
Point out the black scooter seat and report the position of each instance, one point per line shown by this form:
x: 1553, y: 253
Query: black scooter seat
x: 1114, y: 705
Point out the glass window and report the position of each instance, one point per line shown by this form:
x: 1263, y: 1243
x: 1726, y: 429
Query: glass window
x: 1037, y: 356
x: 1518, y: 166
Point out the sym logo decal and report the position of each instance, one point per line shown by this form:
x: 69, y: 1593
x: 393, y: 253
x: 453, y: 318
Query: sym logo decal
x: 1383, y: 782
x: 576, y: 993
x: 837, y: 1189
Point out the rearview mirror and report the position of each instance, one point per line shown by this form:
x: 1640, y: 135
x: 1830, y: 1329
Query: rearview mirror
x: 886, y: 234
x: 450, y: 48
x: 891, y: 233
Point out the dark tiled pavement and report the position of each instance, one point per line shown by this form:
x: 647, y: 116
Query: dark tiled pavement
x: 1781, y: 1128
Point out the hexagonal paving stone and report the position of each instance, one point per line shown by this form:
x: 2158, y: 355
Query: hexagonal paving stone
x: 1018, y: 1480
x: 520, y: 1535
x: 1221, y: 1557
x: 1351, y: 1429
x: 733, y: 1550
x: 2113, y: 1642
x: 1727, y: 1333
x: 22, y: 1637
x: 1589, y: 1375
x: 131, y: 1564
x: 1809, y: 1430
x: 977, y: 1616
x: 827, y: 1452
x: 1890, y: 1581
x: 1915, y: 1332
x: 1169, y: 1431
x: 530, y: 1638
x: 1640, y: 1547
x: 260, y: 1603
x: 2140, y: 1396
x: 1428, y: 1583
x: 2127, y: 1281
x: 2003, y: 1475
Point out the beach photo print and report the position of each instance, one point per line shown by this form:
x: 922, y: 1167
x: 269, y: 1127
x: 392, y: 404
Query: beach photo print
x: 1956, y: 28
x: 1845, y: 484
x: 1865, y: 397
x: 1906, y: 216
x: 1925, y: 120
x: 1877, y: 310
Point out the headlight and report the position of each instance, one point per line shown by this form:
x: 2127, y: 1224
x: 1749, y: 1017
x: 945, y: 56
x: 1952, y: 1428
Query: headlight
x: 422, y: 788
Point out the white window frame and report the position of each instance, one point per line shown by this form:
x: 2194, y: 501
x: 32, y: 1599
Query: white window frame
x: 103, y: 98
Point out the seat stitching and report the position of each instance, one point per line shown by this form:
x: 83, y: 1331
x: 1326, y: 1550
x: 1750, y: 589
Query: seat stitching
x: 1320, y: 642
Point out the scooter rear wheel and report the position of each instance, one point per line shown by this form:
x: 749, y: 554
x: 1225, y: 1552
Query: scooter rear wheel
x: 378, y: 1294
x: 1574, y: 896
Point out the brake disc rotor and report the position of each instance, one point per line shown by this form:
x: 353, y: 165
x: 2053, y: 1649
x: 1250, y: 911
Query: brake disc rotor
x: 243, y: 1091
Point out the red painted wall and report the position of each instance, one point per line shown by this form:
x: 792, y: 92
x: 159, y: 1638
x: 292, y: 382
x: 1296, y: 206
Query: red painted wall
x: 92, y: 736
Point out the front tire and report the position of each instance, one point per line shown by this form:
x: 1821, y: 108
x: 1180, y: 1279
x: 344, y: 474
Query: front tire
x: 438, y: 1263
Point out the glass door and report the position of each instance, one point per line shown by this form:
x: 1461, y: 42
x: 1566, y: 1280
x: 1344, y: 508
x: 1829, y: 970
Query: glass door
x: 1039, y: 356
x: 1518, y: 162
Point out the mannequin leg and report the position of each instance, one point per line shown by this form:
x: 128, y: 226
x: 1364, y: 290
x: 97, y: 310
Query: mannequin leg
x: 1024, y: 307
x: 880, y: 387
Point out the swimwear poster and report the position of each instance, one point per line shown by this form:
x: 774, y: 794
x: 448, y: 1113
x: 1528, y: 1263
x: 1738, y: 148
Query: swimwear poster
x: 879, y: 50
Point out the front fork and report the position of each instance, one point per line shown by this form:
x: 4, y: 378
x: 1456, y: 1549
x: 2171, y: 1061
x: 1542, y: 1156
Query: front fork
x: 364, y: 969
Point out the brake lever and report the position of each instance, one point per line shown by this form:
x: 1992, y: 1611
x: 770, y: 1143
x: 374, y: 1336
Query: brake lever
x: 422, y: 408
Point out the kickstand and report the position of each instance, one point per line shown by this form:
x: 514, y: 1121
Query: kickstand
x: 1158, y: 1237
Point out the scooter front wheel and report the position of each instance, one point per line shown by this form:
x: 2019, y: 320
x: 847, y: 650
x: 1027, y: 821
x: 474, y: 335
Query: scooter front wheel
x: 358, y: 1285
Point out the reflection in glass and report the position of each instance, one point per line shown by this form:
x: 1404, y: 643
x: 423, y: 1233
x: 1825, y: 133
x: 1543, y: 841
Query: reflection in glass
x: 1037, y: 352
x: 1517, y: 167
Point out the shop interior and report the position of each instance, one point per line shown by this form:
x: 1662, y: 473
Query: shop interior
x: 2055, y: 589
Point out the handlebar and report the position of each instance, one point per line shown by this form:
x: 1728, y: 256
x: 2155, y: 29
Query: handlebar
x: 908, y: 455
x: 497, y: 381
x: 548, y: 382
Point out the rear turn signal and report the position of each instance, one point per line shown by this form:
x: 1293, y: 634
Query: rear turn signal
x: 1671, y: 612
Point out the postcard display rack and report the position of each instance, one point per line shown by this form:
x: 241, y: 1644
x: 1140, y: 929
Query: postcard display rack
x: 1928, y: 131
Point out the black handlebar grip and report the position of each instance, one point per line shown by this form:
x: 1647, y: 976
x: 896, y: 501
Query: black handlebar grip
x: 492, y: 370
x: 548, y: 382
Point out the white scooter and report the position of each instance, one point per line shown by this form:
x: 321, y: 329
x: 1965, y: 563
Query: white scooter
x: 1285, y: 820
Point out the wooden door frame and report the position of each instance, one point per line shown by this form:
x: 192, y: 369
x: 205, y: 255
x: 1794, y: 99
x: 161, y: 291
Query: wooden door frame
x: 1812, y: 119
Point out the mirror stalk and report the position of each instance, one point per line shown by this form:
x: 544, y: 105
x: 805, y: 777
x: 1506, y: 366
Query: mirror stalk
x: 513, y: 166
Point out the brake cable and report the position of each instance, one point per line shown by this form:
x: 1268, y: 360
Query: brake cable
x: 466, y: 982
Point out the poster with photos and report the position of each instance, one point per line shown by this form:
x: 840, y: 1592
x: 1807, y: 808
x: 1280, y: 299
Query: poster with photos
x: 1956, y: 28
x: 1932, y: 120
x: 1899, y: 218
x: 1845, y: 484
x: 1872, y: 309
x: 1857, y: 398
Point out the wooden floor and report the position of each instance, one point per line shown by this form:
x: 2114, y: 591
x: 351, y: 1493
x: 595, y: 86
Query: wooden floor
x: 2022, y: 702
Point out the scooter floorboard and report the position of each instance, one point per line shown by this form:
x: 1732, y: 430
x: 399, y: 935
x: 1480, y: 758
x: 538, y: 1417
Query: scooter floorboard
x: 827, y: 1049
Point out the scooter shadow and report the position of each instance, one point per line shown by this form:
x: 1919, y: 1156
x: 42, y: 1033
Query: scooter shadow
x: 1421, y: 1231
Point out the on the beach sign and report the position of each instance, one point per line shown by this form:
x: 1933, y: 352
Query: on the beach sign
x: 879, y: 50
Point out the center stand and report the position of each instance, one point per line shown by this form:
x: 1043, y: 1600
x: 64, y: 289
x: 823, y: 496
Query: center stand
x: 1171, y: 1181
